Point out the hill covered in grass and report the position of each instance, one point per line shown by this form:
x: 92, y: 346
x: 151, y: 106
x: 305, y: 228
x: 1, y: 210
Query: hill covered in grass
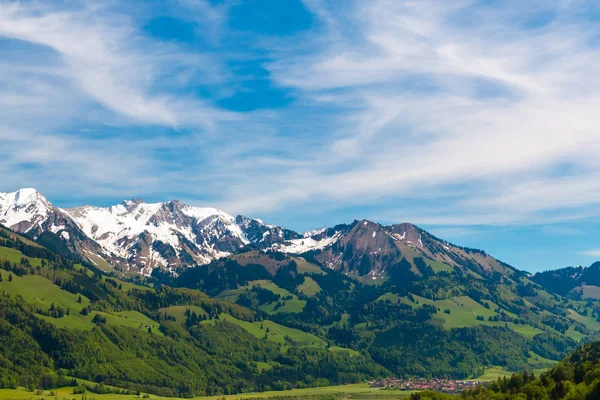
x: 415, y: 322
x: 60, y: 319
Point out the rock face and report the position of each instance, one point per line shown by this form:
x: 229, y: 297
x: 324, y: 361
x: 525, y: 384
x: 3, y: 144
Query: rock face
x: 136, y: 236
x: 367, y: 250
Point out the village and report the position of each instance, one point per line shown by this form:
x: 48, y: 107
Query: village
x: 434, y: 384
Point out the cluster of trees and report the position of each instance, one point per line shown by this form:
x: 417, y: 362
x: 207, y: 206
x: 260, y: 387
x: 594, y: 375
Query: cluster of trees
x: 575, y: 378
x: 54, y: 311
x: 193, y: 319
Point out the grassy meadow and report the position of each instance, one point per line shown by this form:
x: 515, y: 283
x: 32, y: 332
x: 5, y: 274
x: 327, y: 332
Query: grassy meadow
x: 360, y: 391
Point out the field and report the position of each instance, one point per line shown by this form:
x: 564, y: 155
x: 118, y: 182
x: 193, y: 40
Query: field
x: 15, y: 256
x: 309, y: 287
x: 308, y: 268
x: 359, y: 391
x: 232, y: 295
x: 277, y: 333
x: 295, y: 305
x: 590, y: 292
x: 588, y: 321
x: 42, y: 293
x: 573, y: 334
x: 463, y: 313
x: 179, y: 311
x: 337, y: 349
x: 439, y: 266
x: 492, y: 374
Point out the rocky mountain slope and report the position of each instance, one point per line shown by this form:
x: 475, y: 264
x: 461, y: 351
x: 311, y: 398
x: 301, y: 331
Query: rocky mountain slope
x: 367, y: 250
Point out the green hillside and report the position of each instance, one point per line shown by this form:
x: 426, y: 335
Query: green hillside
x: 470, y: 310
x: 59, y: 318
x: 267, y: 321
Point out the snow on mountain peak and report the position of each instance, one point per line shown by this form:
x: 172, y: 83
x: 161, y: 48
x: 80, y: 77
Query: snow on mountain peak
x: 139, y: 236
x: 26, y: 207
x: 160, y: 233
x: 314, y: 232
x: 27, y: 195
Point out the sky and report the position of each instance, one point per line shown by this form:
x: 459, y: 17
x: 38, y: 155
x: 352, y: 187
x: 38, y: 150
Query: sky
x: 476, y: 120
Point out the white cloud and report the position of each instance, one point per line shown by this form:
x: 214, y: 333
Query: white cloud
x: 76, y: 83
x: 426, y: 96
x: 591, y: 253
x: 111, y: 61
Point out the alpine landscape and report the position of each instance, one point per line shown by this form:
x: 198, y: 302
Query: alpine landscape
x: 361, y: 200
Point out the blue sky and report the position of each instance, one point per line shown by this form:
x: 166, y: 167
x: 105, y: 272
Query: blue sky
x: 474, y: 119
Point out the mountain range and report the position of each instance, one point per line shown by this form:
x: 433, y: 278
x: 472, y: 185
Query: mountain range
x: 137, y: 237
x: 160, y: 289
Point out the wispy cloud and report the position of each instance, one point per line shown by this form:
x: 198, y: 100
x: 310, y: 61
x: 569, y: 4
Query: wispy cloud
x: 426, y: 96
x: 90, y: 106
x: 591, y: 253
x: 104, y: 53
x: 446, y: 113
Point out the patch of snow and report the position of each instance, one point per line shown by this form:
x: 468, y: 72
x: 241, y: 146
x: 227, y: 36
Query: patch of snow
x: 314, y: 232
x: 397, y: 236
x: 374, y: 234
x: 299, y: 246
x: 114, y: 227
x: 65, y: 235
x: 56, y: 229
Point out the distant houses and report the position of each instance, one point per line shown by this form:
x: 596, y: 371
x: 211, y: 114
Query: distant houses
x: 437, y: 385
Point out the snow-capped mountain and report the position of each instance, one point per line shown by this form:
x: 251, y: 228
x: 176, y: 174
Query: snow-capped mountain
x: 28, y: 211
x: 138, y: 236
x: 154, y: 235
x: 25, y: 210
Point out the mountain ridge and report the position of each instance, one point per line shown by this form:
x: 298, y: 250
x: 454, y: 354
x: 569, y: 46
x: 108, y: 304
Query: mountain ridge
x: 138, y: 237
